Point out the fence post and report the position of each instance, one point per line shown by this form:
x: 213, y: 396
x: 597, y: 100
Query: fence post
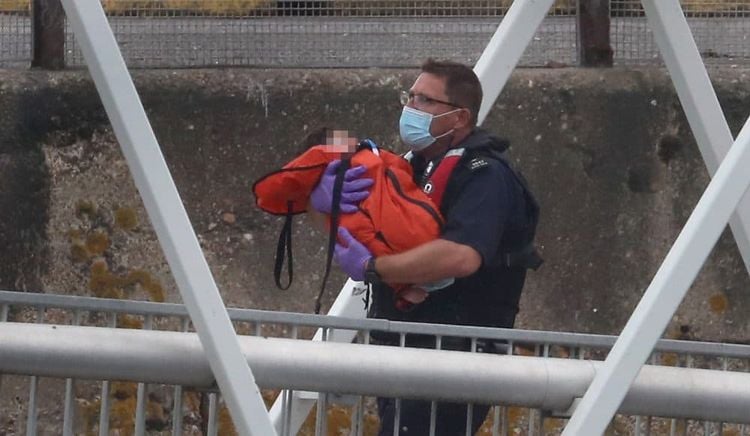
x: 48, y: 35
x: 594, y: 45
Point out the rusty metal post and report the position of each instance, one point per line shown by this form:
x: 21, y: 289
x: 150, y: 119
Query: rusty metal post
x: 48, y: 34
x: 594, y: 45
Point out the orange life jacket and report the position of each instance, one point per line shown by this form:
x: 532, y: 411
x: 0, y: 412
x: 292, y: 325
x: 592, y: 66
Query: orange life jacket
x: 395, y: 217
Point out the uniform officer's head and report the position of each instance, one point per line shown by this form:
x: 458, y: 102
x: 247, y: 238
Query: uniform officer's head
x: 441, y: 108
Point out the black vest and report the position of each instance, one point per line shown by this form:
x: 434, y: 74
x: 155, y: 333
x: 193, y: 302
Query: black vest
x: 490, y: 296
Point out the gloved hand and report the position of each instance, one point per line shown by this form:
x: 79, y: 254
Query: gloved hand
x: 353, y: 191
x: 351, y: 256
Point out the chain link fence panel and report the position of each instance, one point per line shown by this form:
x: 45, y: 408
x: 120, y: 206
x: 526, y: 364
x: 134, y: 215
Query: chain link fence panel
x: 321, y: 34
x: 15, y: 33
x: 366, y: 33
x: 721, y: 29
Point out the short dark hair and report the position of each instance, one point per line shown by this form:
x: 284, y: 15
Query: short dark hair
x: 462, y: 86
x: 316, y: 137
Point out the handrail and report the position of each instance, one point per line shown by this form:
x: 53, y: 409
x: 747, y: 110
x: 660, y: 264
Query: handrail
x: 545, y: 383
x: 310, y: 320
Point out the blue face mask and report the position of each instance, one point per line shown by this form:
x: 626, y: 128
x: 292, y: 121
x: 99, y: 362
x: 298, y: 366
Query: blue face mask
x: 414, y: 128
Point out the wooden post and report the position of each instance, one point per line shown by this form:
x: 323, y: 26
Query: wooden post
x: 594, y: 45
x: 48, y: 33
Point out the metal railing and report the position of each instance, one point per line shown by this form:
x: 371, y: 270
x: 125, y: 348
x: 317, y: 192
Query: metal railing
x: 108, y: 405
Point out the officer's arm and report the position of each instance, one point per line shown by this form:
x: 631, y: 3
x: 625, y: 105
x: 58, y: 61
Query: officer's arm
x: 469, y: 237
x: 435, y: 260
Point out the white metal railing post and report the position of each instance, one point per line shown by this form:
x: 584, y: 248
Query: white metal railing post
x: 663, y: 296
x: 167, y: 213
x: 699, y: 101
x: 142, y: 393
x: 105, y: 392
x: 177, y: 402
x: 69, y: 410
x: 347, y: 304
x: 506, y: 47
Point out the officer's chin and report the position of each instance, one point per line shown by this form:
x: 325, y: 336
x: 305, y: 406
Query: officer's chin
x: 435, y: 149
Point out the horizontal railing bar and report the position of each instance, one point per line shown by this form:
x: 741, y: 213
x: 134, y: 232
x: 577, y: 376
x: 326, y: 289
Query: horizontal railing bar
x: 545, y: 383
x: 310, y: 320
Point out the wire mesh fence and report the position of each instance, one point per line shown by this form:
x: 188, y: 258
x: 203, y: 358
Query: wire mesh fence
x: 366, y: 33
x: 721, y: 29
x: 322, y: 33
x: 15, y: 33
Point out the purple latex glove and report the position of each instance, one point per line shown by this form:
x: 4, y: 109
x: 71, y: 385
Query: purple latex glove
x: 353, y: 191
x: 351, y: 257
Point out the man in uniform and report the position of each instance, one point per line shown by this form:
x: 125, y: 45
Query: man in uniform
x: 485, y: 246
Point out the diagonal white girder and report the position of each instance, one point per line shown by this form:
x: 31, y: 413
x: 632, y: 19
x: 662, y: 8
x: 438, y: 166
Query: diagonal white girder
x: 727, y: 190
x: 681, y: 55
x: 167, y: 213
x: 682, y: 264
x: 504, y: 51
x: 699, y: 100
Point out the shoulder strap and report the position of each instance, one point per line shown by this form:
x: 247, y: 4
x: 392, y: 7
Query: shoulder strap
x: 284, y: 244
x: 437, y: 180
x: 333, y: 228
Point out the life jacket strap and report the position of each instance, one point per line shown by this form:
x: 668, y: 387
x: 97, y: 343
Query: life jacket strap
x: 526, y: 257
x: 338, y: 185
x: 437, y: 178
x: 284, y: 246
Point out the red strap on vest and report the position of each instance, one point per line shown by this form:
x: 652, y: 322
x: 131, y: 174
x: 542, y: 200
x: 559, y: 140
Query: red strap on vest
x: 438, y: 180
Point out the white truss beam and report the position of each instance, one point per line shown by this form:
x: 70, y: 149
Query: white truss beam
x: 168, y: 216
x: 699, y: 100
x: 504, y: 51
x: 690, y: 251
x: 663, y: 296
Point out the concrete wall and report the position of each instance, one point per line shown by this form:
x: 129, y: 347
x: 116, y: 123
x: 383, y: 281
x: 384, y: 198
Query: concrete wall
x: 608, y: 153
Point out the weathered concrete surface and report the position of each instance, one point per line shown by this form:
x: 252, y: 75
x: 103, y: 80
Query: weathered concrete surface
x: 608, y: 153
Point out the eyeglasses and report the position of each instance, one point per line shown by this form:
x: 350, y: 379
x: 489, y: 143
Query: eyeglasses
x: 407, y: 97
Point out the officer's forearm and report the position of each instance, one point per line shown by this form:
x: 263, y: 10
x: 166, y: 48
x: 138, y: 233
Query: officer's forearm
x: 435, y: 260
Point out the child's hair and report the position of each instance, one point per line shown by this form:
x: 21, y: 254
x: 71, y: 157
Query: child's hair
x: 315, y: 137
x: 321, y: 135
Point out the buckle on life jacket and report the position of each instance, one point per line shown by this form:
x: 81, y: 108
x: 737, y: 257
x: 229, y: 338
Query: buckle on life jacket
x: 368, y: 144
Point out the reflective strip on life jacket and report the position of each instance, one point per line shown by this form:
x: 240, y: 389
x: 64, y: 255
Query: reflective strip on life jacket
x: 437, y: 180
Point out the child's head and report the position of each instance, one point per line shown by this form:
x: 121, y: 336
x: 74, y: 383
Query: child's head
x: 335, y: 140
x: 341, y: 141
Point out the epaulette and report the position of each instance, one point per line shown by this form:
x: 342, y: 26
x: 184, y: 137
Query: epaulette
x: 477, y: 163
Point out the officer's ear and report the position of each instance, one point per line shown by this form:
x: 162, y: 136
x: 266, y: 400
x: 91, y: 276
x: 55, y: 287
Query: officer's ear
x: 464, y: 118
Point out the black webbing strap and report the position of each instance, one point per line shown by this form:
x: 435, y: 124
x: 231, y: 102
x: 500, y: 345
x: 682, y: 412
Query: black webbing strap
x: 338, y: 184
x: 284, y: 244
